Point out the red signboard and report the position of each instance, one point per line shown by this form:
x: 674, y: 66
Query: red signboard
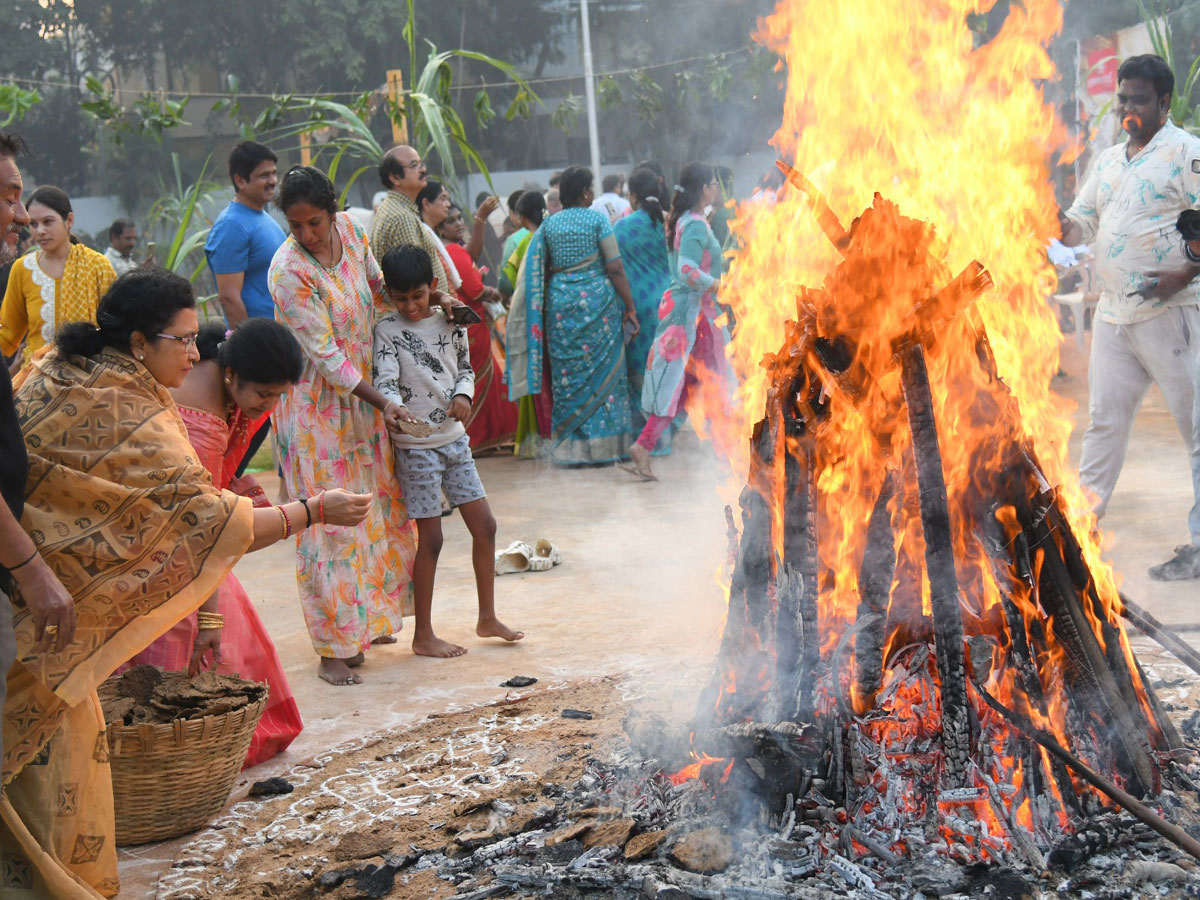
x: 1102, y: 66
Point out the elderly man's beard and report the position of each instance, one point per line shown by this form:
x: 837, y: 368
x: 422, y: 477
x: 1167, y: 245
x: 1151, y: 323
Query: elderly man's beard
x: 8, y: 252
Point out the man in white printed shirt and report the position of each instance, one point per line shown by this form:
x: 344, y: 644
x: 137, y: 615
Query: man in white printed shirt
x: 1147, y: 326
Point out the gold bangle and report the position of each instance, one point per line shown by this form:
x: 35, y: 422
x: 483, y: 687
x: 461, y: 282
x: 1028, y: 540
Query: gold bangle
x: 209, y: 621
x: 283, y: 520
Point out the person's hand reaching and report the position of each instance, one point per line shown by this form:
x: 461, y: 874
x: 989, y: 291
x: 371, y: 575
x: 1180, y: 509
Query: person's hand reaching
x: 344, y: 508
x: 206, y: 652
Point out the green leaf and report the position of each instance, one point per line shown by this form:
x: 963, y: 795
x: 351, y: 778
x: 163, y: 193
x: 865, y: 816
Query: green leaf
x: 719, y: 76
x: 232, y: 83
x: 522, y: 105
x: 608, y: 93
x: 17, y: 102
x: 647, y: 96
x: 353, y: 178
x: 190, y: 198
x: 566, y: 115
x: 483, y: 109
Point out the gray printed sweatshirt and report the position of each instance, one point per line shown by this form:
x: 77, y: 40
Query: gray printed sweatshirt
x: 422, y: 366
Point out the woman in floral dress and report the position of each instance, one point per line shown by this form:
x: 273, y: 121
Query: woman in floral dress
x: 688, y: 337
x: 576, y: 298
x: 355, y: 583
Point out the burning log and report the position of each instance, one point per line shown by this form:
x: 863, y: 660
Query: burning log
x: 934, y: 583
x: 797, y: 640
x: 875, y: 587
x: 1160, y: 632
x: 939, y: 560
x: 1134, y: 807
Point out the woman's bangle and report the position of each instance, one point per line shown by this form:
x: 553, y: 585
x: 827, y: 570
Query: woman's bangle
x: 479, y: 220
x: 26, y: 561
x: 307, y: 512
x: 287, y: 525
x: 321, y: 506
x: 209, y: 621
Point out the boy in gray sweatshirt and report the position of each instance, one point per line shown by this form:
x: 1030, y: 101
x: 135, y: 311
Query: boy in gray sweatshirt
x: 422, y: 363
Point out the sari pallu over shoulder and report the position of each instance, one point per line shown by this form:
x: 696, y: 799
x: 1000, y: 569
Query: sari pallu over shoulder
x: 126, y: 517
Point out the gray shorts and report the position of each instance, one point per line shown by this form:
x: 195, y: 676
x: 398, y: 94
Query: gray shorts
x: 426, y: 472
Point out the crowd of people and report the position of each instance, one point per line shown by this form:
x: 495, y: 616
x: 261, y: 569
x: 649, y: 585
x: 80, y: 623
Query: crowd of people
x: 376, y: 358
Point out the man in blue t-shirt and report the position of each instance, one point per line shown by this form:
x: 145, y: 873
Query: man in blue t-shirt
x: 241, y: 244
x: 244, y: 238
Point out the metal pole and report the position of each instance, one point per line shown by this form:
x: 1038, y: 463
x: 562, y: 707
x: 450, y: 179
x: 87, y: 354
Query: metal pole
x: 590, y: 91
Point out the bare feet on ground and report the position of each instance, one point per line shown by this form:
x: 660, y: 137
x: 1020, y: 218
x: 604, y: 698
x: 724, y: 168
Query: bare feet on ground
x: 384, y: 639
x: 336, y: 672
x: 496, y: 628
x: 641, y: 462
x: 435, y: 646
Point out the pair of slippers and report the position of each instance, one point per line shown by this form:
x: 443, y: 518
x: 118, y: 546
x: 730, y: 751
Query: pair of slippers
x: 522, y: 557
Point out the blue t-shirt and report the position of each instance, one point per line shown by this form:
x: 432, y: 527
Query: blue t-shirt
x: 245, y: 240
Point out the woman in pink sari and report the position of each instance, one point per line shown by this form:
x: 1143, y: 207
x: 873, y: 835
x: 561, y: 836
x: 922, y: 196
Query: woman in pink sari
x: 223, y: 400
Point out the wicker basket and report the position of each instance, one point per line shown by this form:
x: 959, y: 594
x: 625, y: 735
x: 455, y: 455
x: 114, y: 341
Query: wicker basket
x: 170, y: 779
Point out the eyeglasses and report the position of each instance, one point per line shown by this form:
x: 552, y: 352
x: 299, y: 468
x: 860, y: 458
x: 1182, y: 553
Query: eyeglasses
x: 188, y: 340
x: 415, y: 164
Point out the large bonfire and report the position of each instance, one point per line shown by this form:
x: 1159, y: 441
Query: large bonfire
x: 914, y: 543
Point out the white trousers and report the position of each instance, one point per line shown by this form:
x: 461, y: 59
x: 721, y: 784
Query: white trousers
x: 1125, y: 359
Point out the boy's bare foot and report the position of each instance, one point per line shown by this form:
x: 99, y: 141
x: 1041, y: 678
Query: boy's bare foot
x: 336, y: 672
x: 384, y: 639
x: 435, y: 646
x: 496, y: 628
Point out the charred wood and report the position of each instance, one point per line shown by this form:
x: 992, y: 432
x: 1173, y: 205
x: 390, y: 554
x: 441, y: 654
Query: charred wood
x: 939, y: 561
x: 1128, y: 802
x: 875, y: 586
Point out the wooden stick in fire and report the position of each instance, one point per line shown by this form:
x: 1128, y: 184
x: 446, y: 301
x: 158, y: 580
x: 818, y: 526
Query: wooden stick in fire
x: 1160, y: 633
x: 1136, y: 808
x: 826, y: 217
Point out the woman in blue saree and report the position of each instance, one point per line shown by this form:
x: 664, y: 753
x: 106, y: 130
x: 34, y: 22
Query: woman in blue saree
x: 573, y: 301
x: 640, y: 238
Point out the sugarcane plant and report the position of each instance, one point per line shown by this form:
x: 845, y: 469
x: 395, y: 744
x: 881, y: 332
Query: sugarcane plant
x: 1164, y: 39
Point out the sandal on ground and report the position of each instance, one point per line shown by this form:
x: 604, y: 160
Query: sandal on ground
x: 514, y: 558
x: 546, y: 550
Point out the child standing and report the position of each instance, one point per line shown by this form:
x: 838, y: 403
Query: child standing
x: 423, y: 366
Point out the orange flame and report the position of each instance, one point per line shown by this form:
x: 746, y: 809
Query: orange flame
x: 896, y: 108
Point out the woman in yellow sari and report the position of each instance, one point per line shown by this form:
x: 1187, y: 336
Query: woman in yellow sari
x: 62, y: 281
x: 127, y: 518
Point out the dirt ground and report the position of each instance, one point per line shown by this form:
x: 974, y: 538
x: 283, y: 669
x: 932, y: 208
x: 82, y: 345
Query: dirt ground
x: 637, y: 593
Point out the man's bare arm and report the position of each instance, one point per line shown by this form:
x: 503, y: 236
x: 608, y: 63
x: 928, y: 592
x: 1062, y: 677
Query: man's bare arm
x: 229, y: 293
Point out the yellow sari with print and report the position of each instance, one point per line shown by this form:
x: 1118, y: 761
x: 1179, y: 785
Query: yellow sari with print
x: 129, y: 520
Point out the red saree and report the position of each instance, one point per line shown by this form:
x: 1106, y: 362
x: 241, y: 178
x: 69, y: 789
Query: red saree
x: 246, y: 647
x: 493, y: 420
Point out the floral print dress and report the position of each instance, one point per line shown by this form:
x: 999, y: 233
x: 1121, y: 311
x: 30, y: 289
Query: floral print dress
x: 355, y: 583
x: 686, y: 319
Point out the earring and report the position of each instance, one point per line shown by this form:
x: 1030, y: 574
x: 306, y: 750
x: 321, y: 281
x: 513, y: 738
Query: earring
x: 141, y: 357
